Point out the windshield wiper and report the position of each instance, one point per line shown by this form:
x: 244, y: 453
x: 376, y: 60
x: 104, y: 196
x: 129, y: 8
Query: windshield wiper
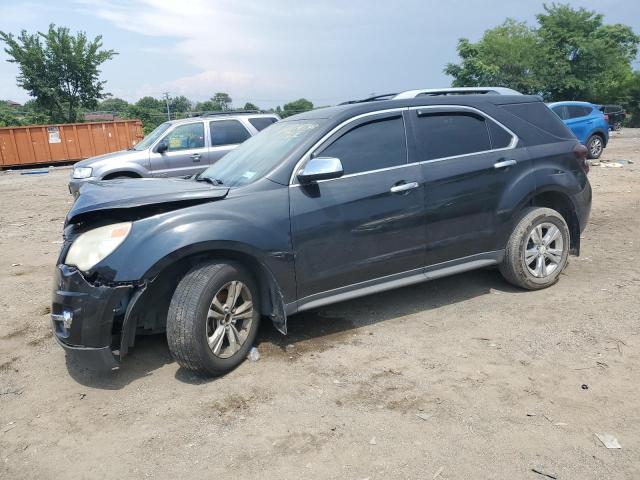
x: 212, y: 181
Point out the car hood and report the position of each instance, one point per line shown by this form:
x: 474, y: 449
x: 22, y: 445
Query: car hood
x: 131, y: 193
x: 125, y: 155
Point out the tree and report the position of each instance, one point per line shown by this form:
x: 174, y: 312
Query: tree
x: 505, y: 56
x: 250, y: 106
x: 220, y: 102
x: 58, y: 69
x: 151, y: 103
x: 571, y: 55
x: 180, y: 104
x: 113, y: 105
x: 297, y: 106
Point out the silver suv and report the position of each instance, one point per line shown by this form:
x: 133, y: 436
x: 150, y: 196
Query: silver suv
x: 177, y: 148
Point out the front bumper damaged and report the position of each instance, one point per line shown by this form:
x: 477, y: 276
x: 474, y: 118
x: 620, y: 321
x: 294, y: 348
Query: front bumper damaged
x: 88, y: 320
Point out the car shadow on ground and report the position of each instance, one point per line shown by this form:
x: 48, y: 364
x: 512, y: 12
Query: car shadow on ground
x: 309, y: 331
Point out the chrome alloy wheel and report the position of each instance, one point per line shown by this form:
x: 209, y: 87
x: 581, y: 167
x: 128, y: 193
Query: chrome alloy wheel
x: 229, y: 319
x: 595, y: 146
x: 544, y: 250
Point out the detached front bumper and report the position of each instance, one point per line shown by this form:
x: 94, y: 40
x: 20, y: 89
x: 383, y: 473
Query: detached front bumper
x: 87, y: 319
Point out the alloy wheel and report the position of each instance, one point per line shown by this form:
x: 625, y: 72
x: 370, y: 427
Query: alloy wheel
x: 595, y: 146
x: 229, y: 319
x: 543, y: 254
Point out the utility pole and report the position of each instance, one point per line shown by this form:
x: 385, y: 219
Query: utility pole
x: 166, y: 97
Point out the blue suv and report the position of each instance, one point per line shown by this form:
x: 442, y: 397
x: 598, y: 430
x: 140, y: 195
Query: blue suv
x: 587, y: 123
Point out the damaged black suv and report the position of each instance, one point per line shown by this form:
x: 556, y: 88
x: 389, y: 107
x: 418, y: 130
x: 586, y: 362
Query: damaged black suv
x: 321, y: 207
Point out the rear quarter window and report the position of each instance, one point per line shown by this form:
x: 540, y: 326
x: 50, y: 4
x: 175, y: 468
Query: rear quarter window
x: 260, y: 123
x: 541, y: 117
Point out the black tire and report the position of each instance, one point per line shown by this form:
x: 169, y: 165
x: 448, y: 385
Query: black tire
x: 189, y: 321
x: 595, y: 146
x: 617, y: 126
x: 514, y: 267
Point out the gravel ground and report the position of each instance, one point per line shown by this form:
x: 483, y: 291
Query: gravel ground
x: 464, y: 377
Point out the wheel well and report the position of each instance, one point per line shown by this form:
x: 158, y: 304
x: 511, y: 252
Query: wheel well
x: 599, y: 134
x: 562, y: 204
x: 113, y: 175
x: 151, y: 309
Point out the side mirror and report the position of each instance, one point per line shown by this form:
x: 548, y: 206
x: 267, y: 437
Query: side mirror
x: 162, y: 147
x: 320, y: 168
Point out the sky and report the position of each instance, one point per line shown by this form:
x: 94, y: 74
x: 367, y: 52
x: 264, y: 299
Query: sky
x: 270, y: 52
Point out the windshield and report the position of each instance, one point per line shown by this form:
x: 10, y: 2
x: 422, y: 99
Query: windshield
x: 259, y: 155
x: 152, y: 137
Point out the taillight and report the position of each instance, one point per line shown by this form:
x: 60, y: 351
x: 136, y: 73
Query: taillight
x: 606, y: 117
x: 581, y: 152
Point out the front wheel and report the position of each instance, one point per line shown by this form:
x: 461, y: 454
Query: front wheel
x: 213, y: 318
x: 537, y: 250
x: 595, y: 146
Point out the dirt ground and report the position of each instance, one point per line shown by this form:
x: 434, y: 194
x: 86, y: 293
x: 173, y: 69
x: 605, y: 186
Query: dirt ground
x: 464, y: 377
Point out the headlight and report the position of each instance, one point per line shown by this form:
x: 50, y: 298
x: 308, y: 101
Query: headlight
x: 94, y: 245
x: 82, y: 172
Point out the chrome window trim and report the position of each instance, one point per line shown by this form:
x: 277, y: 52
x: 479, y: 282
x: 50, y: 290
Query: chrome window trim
x: 514, y: 141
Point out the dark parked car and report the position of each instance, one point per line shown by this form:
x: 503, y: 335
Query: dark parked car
x: 322, y: 207
x: 614, y: 114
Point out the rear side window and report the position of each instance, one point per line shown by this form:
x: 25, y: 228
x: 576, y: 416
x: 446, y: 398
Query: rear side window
x: 561, y: 111
x: 371, y: 146
x: 260, y: 123
x: 440, y: 135
x: 577, y: 111
x: 227, y: 132
x: 500, y: 138
x: 540, y: 116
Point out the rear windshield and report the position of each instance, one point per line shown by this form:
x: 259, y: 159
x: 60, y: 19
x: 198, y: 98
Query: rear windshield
x: 540, y: 116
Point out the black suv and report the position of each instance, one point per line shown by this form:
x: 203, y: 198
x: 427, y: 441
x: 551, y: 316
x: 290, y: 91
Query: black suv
x: 322, y: 207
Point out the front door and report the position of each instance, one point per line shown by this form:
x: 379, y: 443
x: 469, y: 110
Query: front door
x: 186, y: 152
x: 468, y: 161
x: 367, y: 224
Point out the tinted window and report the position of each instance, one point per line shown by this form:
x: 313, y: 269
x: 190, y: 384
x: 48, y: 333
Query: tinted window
x: 373, y: 145
x: 540, y: 116
x: 227, y: 132
x: 261, y: 123
x: 500, y: 138
x: 440, y: 135
x: 561, y: 111
x: 576, y: 111
x: 185, y: 137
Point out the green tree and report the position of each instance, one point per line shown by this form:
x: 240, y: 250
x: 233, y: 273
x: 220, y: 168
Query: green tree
x: 297, y: 106
x: 9, y: 117
x: 180, y: 104
x: 220, y: 102
x: 250, y: 106
x: 506, y: 56
x: 151, y: 103
x: 113, y: 105
x: 58, y: 69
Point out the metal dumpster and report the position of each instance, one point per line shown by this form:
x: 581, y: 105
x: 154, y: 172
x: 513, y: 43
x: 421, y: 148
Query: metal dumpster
x: 50, y: 144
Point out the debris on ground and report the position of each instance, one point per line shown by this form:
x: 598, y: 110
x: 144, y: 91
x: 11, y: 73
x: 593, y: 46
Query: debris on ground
x: 423, y: 416
x: 437, y: 474
x: 544, y: 473
x: 584, y: 386
x: 608, y: 440
x: 254, y: 355
x: 16, y: 264
x: 372, y: 441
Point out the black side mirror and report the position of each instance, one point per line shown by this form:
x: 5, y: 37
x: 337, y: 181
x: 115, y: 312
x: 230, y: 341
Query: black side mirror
x: 320, y: 168
x: 162, y: 147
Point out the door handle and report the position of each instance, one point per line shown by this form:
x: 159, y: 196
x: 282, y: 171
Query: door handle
x: 404, y: 187
x: 196, y: 157
x: 504, y: 164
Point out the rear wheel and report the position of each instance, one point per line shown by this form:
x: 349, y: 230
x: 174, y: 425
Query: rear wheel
x: 617, y: 126
x: 213, y: 318
x: 537, y: 250
x: 595, y: 146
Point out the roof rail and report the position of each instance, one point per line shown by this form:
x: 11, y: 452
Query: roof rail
x: 384, y: 96
x: 457, y: 91
x: 226, y: 112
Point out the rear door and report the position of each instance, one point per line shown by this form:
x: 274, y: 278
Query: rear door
x: 579, y: 121
x: 225, y: 135
x: 186, y: 153
x: 467, y: 162
x: 367, y: 224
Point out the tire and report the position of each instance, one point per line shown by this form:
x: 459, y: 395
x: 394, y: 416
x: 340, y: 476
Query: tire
x: 197, y: 312
x: 595, y: 146
x: 617, y: 126
x: 533, y: 276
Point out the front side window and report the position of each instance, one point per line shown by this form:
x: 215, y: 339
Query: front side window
x: 152, y: 137
x: 185, y: 137
x: 370, y: 146
x: 440, y: 135
x: 227, y: 132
